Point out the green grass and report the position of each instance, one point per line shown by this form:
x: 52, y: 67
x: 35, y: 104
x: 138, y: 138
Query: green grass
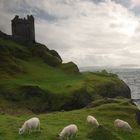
x: 33, y: 76
x: 61, y: 89
x: 46, y: 77
x: 33, y: 79
x: 52, y: 123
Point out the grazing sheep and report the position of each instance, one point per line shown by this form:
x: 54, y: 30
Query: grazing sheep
x: 68, y: 132
x: 123, y: 125
x: 30, y: 124
x: 92, y: 121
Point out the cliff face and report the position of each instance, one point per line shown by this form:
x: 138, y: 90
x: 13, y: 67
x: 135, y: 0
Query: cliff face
x: 34, y: 77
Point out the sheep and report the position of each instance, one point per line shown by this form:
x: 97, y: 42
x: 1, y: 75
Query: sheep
x: 68, y: 132
x: 123, y: 125
x: 92, y: 121
x: 30, y: 124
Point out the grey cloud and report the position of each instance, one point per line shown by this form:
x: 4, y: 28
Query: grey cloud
x: 2, y: 28
x: 88, y: 32
x: 125, y: 3
x: 136, y: 10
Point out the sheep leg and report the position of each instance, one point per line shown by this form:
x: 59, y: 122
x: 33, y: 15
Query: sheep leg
x: 71, y: 136
x: 75, y: 135
x: 39, y: 127
x: 30, y: 130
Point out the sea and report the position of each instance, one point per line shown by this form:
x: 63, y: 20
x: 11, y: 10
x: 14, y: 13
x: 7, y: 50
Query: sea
x: 131, y: 76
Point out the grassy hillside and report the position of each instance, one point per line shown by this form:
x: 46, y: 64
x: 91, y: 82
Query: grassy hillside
x: 51, y: 124
x: 34, y: 78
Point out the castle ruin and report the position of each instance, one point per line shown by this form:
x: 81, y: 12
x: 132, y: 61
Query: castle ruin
x: 23, y: 29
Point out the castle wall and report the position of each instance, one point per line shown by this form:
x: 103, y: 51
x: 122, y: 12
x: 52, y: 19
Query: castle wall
x: 23, y: 29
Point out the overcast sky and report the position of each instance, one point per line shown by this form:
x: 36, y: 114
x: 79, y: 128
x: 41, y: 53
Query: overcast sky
x: 87, y: 32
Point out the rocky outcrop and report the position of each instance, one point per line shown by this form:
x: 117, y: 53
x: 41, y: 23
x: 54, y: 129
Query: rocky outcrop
x: 70, y: 67
x: 5, y: 36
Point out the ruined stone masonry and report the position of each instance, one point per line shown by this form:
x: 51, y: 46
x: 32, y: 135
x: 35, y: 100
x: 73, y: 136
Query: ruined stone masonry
x: 23, y: 29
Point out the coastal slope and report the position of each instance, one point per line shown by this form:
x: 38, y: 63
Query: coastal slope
x: 34, y: 77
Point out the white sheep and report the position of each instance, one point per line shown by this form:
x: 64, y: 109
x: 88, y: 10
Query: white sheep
x: 30, y: 124
x: 68, y: 132
x: 92, y: 121
x: 123, y: 125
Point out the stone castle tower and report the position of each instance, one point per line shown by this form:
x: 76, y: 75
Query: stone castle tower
x: 23, y: 29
